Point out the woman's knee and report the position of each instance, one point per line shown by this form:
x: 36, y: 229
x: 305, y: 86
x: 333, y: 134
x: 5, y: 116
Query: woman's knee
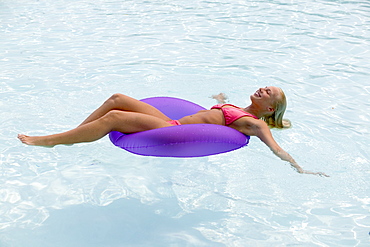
x: 116, y: 99
x: 113, y: 115
x: 112, y: 118
x: 118, y: 96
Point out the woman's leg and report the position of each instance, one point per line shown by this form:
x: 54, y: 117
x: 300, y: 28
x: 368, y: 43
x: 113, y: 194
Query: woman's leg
x: 115, y: 120
x: 124, y: 103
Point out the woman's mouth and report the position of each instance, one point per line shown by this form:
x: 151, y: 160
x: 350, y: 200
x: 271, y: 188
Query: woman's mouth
x: 257, y: 93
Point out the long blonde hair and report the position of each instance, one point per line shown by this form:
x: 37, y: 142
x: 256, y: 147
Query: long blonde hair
x: 276, y: 119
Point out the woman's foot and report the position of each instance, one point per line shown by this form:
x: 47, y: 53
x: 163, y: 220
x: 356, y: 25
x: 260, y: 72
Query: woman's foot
x: 34, y: 140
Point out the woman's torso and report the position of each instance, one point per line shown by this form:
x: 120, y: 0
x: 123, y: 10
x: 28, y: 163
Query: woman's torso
x: 217, y: 116
x: 213, y: 116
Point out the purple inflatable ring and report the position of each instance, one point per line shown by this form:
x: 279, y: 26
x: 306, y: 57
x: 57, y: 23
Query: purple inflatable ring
x: 190, y: 140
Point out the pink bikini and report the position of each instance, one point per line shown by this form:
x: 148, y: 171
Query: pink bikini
x: 232, y: 113
x: 174, y: 122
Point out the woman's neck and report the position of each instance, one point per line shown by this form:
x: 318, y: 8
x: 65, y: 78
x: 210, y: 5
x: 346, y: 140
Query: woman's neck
x: 252, y: 109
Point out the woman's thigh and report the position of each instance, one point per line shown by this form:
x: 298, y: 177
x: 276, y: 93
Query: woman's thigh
x: 131, y: 122
x: 126, y: 103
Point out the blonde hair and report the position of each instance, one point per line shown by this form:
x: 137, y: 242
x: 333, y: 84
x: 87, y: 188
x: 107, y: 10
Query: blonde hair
x: 276, y: 119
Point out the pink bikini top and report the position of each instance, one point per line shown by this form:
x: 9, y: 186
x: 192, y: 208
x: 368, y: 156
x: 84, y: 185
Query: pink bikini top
x: 232, y: 113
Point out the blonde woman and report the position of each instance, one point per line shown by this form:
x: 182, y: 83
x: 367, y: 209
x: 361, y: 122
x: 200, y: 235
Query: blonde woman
x: 128, y: 115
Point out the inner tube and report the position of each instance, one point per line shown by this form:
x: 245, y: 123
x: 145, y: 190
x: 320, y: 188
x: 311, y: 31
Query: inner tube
x: 189, y: 140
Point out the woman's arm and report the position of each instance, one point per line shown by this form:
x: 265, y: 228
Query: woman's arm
x: 221, y: 98
x: 264, y: 134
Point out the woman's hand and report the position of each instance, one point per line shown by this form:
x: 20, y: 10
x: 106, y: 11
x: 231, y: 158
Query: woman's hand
x: 300, y: 170
x: 321, y: 174
x: 221, y: 98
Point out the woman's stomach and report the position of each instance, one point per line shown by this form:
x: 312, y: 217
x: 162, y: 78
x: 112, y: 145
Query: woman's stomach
x: 213, y: 116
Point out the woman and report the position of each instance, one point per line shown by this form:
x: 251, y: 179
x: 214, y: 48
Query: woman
x: 128, y: 115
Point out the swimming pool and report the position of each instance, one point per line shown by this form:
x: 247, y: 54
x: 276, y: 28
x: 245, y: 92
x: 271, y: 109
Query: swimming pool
x: 61, y: 59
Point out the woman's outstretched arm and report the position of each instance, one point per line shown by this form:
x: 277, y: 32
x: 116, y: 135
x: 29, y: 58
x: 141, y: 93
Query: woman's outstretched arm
x: 264, y: 134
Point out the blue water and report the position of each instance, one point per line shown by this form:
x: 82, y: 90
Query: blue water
x: 61, y: 59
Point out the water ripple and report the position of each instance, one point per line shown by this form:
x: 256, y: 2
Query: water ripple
x: 62, y: 59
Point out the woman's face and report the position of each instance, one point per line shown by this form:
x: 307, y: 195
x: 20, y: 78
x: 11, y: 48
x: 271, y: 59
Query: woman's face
x: 266, y: 97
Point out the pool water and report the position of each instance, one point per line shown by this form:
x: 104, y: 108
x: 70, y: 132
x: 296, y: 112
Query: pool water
x: 61, y: 59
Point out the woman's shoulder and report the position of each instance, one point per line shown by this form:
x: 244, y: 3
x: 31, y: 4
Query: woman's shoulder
x: 250, y: 126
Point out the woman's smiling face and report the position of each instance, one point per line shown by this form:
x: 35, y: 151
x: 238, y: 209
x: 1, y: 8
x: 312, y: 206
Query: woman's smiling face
x: 266, y: 96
